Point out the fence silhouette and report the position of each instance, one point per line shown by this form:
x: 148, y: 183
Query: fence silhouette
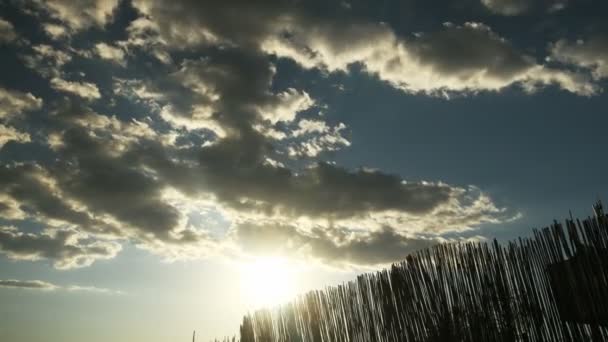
x: 552, y: 286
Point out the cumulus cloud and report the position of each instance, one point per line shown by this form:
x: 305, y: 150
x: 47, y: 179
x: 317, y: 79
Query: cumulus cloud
x: 46, y: 286
x: 86, y: 90
x: 13, y: 103
x: 111, y: 53
x: 591, y: 54
x: 226, y: 93
x: 47, y: 60
x: 26, y: 187
x: 55, y: 31
x: 219, y: 129
x: 318, y: 138
x: 10, y: 134
x: 143, y: 34
x: 80, y: 14
x: 517, y: 7
x: 66, y: 249
x: 466, y: 58
x: 286, y: 105
x: 7, y: 32
x: 459, y: 58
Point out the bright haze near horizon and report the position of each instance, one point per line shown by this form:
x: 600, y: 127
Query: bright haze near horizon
x: 166, y: 166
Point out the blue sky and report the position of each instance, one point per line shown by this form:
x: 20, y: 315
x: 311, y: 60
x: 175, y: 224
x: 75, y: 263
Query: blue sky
x: 151, y: 153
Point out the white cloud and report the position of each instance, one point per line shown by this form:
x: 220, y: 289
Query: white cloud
x: 55, y: 31
x: 590, y: 54
x: 111, y: 53
x: 306, y: 126
x: 286, y: 105
x: 319, y: 138
x: 85, y: 90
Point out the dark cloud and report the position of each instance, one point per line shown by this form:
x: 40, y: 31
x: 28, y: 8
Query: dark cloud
x: 333, y: 247
x: 27, y: 284
x: 234, y: 171
x: 484, y: 60
x: 7, y: 32
x: 226, y: 92
x: 219, y: 129
x: 91, y: 171
x: 447, y: 53
x: 516, y: 7
x: 210, y: 22
x: 466, y: 58
x: 31, y: 188
x: 106, y: 184
x: 64, y: 248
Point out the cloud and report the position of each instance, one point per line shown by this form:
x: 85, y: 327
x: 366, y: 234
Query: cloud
x: 591, y: 54
x: 143, y: 34
x: 111, y: 53
x: 92, y: 289
x: 7, y: 32
x: 86, y: 90
x: 221, y: 130
x: 226, y: 92
x: 331, y: 247
x: 210, y: 23
x: 46, y: 286
x: 13, y: 103
x: 468, y: 58
x: 55, y: 31
x: 47, y: 60
x: 66, y: 249
x: 237, y: 175
x: 517, y: 7
x: 79, y: 14
x: 31, y: 188
x: 285, y: 106
x: 101, y: 176
x: 27, y: 284
x: 10, y: 134
x: 319, y: 137
x: 458, y: 58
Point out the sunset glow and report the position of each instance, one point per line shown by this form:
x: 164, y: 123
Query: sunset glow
x: 267, y: 281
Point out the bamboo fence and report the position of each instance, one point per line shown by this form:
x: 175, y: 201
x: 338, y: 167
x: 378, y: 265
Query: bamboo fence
x: 552, y: 286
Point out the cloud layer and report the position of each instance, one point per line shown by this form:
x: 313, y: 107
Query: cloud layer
x: 142, y: 124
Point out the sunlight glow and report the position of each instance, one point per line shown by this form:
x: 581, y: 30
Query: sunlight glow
x: 267, y: 282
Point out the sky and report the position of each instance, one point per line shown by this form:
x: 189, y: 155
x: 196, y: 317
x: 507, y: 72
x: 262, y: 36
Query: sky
x: 166, y: 166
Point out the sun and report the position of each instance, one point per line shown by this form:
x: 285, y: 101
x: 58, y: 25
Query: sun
x: 267, y: 281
